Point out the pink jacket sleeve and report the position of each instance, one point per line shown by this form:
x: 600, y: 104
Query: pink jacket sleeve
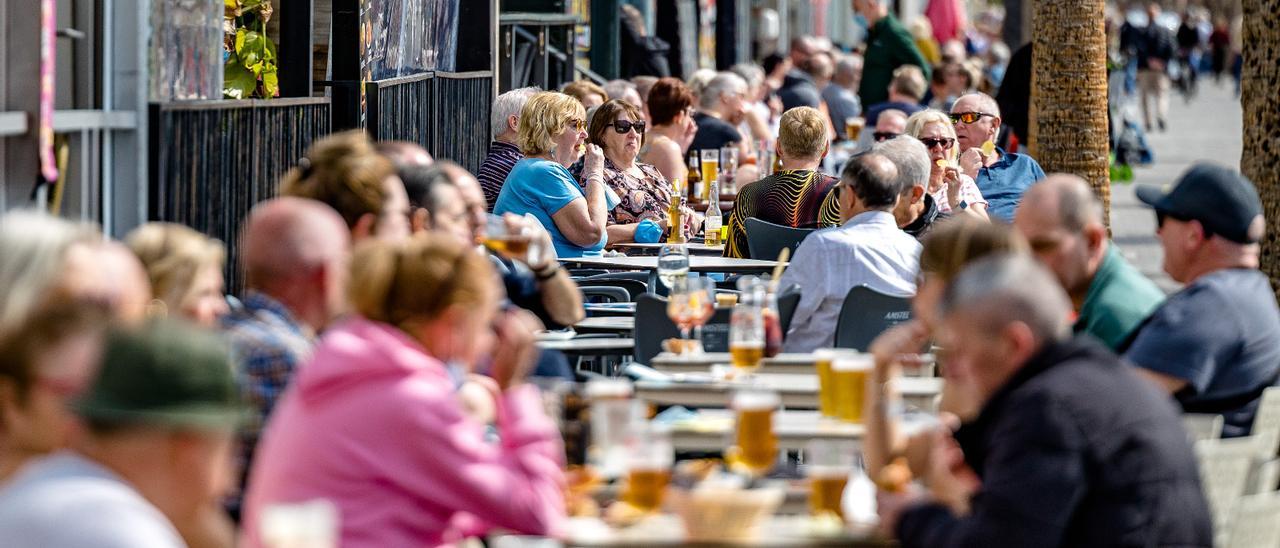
x: 517, y: 484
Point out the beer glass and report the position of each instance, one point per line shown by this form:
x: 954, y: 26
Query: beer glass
x: 757, y: 444
x: 710, y: 173
x: 853, y: 127
x: 613, y: 415
x: 849, y: 378
x: 828, y: 465
x: 512, y: 243
x: 649, y: 458
x: 746, y: 336
x: 827, y: 397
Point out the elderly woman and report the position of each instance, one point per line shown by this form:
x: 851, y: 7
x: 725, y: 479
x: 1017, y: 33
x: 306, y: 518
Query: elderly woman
x: 552, y: 135
x: 185, y: 269
x: 644, y: 194
x: 955, y: 192
x: 670, y: 109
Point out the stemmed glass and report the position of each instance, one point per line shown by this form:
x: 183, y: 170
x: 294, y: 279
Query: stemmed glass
x: 673, y: 264
x: 688, y: 303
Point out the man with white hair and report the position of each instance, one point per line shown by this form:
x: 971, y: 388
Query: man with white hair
x: 916, y: 210
x: 1071, y: 446
x: 503, y: 152
x: 721, y: 107
x: 624, y: 91
x: 1001, y: 176
x: 841, y: 94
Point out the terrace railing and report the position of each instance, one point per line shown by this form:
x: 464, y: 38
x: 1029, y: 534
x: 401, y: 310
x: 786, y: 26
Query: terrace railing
x: 445, y: 112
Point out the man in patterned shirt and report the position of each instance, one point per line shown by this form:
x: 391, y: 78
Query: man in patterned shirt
x: 294, y: 254
x: 796, y: 196
x: 503, y: 152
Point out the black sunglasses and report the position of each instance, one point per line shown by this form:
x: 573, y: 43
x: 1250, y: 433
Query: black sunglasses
x: 1161, y: 216
x: 945, y: 142
x: 968, y: 117
x: 623, y: 126
x: 884, y: 135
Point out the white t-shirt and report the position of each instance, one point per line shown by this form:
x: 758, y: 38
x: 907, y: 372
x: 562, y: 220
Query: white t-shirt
x: 968, y: 192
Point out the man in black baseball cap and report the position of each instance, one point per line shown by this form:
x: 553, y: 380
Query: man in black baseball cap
x: 1215, y: 345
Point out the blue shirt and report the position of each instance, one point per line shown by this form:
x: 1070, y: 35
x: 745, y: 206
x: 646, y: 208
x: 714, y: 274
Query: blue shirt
x: 1003, y: 183
x: 542, y: 188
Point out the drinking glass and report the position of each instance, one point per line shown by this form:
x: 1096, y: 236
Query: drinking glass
x: 649, y: 458
x: 710, y: 173
x: 728, y: 167
x: 746, y: 336
x: 828, y: 465
x: 849, y: 378
x: 614, y: 414
x: 756, y: 446
x: 827, y: 397
x: 853, y: 127
x: 673, y: 264
x: 688, y: 301
x: 507, y: 241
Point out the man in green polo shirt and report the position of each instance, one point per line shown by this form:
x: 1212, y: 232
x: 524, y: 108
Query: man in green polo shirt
x: 1062, y: 221
x: 889, y: 46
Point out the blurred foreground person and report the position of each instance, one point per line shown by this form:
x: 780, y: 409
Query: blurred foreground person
x: 345, y: 172
x: 156, y: 455
x: 1071, y: 446
x: 185, y: 269
x: 374, y: 423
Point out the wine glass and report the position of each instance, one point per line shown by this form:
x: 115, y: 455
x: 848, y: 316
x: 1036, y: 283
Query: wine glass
x: 673, y: 264
x: 687, y: 303
x: 703, y: 313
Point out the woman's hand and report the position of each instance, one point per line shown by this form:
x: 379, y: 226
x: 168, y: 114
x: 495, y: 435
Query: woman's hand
x: 951, y: 176
x: 514, y: 353
x: 690, y: 130
x: 593, y: 164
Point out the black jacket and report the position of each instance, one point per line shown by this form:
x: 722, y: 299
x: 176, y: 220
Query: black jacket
x: 1075, y: 450
x: 920, y: 227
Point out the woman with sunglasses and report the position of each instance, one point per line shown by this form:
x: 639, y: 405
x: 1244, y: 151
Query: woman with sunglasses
x: 552, y: 136
x: 955, y: 193
x: 644, y: 194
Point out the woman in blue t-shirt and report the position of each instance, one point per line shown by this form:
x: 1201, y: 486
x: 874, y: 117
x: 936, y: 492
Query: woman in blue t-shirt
x: 552, y: 135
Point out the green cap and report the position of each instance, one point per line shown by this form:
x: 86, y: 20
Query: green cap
x: 164, y: 373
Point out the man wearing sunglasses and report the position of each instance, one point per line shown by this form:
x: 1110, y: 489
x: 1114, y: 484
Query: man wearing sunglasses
x: 1001, y: 176
x: 1215, y: 345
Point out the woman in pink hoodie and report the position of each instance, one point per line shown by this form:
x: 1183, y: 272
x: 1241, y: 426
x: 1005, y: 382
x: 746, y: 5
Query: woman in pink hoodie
x: 373, y: 423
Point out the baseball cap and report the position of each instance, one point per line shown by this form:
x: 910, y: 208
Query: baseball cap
x: 1221, y: 199
x: 164, y: 373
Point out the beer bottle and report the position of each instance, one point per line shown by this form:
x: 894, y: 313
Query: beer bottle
x: 694, y: 177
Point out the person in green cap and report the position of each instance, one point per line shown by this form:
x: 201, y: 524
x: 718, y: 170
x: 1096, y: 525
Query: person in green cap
x: 154, y: 458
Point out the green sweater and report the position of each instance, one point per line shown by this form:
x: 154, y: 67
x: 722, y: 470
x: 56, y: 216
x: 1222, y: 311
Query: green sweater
x: 889, y: 46
x: 1119, y: 300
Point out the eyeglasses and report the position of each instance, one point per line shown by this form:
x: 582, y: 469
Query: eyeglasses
x: 576, y: 125
x: 884, y: 135
x: 945, y: 142
x: 1162, y: 216
x: 968, y: 117
x: 623, y: 126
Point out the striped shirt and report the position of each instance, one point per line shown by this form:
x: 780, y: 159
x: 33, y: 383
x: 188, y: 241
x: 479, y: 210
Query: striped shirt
x: 796, y: 198
x: 497, y: 165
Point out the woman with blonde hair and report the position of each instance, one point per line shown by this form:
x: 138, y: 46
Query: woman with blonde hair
x: 955, y: 193
x: 185, y: 270
x: 552, y: 136
x: 376, y: 414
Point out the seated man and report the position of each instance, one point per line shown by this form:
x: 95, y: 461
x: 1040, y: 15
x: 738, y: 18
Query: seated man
x: 1215, y: 345
x: 905, y: 91
x: 916, y: 211
x: 890, y: 124
x: 868, y: 249
x: 503, y: 152
x: 1070, y: 448
x: 1001, y: 176
x: 1062, y: 221
x: 796, y: 196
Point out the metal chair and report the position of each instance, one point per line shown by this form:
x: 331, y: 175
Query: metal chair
x: 1266, y: 422
x: 651, y: 313
x: 765, y: 239
x: 1255, y: 524
x: 865, y: 314
x: 1202, y: 426
x: 634, y: 288
x: 1224, y: 473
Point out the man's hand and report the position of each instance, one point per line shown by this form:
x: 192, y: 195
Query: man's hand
x: 891, y: 506
x: 515, y: 352
x: 542, y: 251
x: 950, y: 479
x: 972, y: 160
x: 899, y: 347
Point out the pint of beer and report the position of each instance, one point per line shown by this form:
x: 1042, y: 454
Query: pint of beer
x: 853, y: 127
x: 849, y: 378
x: 746, y: 336
x: 649, y: 458
x: 757, y: 445
x: 710, y: 172
x: 828, y: 465
x: 826, y: 384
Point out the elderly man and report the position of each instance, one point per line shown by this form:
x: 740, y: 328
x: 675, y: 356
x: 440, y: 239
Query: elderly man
x: 625, y: 91
x: 504, y: 121
x: 841, y: 94
x: 916, y: 211
x: 1001, y: 176
x: 295, y: 261
x: 1215, y: 345
x: 868, y: 249
x: 905, y: 91
x: 889, y: 46
x: 154, y: 457
x: 798, y: 195
x: 722, y: 106
x: 1071, y: 447
x: 1062, y: 221
x: 799, y: 88
x: 891, y: 124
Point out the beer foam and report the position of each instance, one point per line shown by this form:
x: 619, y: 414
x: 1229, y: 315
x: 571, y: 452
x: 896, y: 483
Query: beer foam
x: 755, y: 400
x: 827, y: 471
x: 855, y: 362
x: 609, y: 388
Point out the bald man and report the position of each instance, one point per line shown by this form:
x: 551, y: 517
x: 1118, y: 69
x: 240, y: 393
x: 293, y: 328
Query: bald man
x: 1001, y: 176
x: 294, y: 253
x: 1062, y: 220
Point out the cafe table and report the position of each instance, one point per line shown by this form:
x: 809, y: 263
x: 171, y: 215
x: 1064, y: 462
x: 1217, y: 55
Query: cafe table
x: 667, y: 362
x: 638, y: 249
x: 616, y: 346
x: 606, y: 324
x: 667, y: 530
x: 712, y: 430
x: 697, y: 263
x: 796, y: 391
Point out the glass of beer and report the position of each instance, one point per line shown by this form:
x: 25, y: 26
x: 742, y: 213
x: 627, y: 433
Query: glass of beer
x: 849, y: 379
x: 825, y: 357
x: 828, y: 464
x: 756, y: 443
x: 509, y: 241
x: 710, y: 172
x: 746, y: 336
x: 649, y: 459
x: 853, y: 127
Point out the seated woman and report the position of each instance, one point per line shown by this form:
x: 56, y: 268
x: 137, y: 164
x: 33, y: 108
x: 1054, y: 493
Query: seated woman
x: 185, y: 269
x: 954, y: 192
x: 551, y: 136
x: 950, y: 247
x: 644, y: 194
x: 670, y: 107
x: 375, y: 424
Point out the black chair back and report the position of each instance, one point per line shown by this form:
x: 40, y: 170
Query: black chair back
x: 765, y: 239
x: 788, y: 300
x: 865, y: 314
x: 634, y: 288
x: 654, y: 326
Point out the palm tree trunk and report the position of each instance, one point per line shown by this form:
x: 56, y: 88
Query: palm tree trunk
x: 1260, y: 102
x: 1068, y: 119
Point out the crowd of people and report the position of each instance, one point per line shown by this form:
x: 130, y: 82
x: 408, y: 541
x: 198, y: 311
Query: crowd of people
x: 378, y: 358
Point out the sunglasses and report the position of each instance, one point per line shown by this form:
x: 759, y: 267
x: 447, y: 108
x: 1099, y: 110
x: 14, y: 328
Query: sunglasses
x: 1162, y: 216
x: 945, y: 142
x: 968, y: 117
x: 576, y: 125
x: 884, y: 135
x: 623, y: 126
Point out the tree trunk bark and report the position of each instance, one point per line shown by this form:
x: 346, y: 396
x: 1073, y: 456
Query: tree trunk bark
x: 1068, y: 119
x: 1260, y: 103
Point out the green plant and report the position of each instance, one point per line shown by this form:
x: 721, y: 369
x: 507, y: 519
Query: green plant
x: 250, y: 69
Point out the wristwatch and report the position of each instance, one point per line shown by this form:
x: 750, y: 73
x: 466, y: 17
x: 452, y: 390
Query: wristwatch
x: 963, y: 205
